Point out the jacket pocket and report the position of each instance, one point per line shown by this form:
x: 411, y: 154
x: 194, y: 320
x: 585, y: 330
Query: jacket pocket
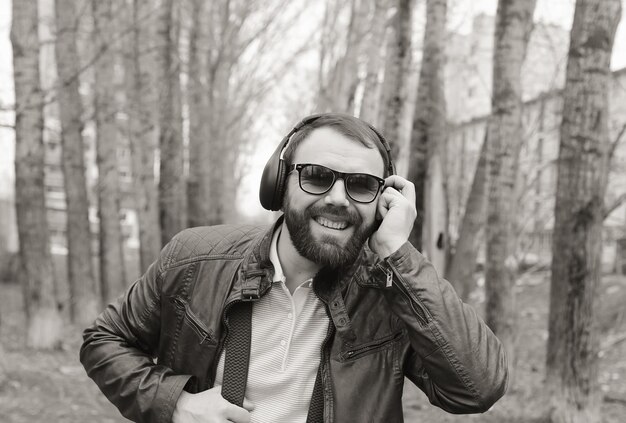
x: 370, y: 347
x: 205, y: 335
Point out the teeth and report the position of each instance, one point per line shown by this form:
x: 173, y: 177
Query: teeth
x: 330, y: 224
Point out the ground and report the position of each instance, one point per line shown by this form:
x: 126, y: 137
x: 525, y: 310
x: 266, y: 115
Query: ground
x: 52, y: 386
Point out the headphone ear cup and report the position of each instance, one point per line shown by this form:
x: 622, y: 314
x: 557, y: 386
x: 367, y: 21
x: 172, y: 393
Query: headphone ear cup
x: 279, y: 191
x: 272, y: 181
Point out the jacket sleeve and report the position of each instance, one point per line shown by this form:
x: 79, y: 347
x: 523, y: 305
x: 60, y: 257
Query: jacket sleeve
x: 119, y: 349
x: 454, y: 357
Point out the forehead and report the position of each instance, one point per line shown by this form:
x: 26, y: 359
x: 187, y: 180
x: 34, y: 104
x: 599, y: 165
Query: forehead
x: 330, y: 148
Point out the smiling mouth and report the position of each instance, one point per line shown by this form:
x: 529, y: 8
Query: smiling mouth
x: 331, y: 224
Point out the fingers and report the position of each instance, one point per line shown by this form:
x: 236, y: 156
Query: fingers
x: 401, y: 186
x: 237, y: 414
x: 210, y: 406
x: 247, y: 404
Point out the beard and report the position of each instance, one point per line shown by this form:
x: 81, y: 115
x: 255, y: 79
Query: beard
x: 327, y: 251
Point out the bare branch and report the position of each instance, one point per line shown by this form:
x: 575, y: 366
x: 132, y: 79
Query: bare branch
x: 614, y: 205
x: 50, y: 94
x: 614, y: 399
x: 538, y: 172
x: 612, y: 342
x: 616, y: 141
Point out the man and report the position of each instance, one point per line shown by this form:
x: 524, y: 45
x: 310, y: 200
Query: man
x: 342, y: 307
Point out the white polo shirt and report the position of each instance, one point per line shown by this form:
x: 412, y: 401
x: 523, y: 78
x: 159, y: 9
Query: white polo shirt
x: 285, y: 350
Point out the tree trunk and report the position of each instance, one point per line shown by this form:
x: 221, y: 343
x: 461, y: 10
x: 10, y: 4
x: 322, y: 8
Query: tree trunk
x: 371, y: 89
x: 396, y: 75
x: 222, y: 142
x: 429, y: 124
x: 198, y: 184
x: 504, y: 139
x: 140, y: 82
x: 112, y: 272
x: 83, y: 301
x: 463, y: 263
x: 3, y: 368
x: 172, y: 204
x: 572, y: 361
x: 43, y: 320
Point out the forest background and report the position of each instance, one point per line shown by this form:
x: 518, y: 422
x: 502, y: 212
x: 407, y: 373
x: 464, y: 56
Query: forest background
x: 123, y: 122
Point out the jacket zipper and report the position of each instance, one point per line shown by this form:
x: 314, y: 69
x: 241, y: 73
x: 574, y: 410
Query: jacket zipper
x: 362, y: 350
x: 196, y: 325
x: 325, y: 363
x: 413, y: 303
x: 325, y: 358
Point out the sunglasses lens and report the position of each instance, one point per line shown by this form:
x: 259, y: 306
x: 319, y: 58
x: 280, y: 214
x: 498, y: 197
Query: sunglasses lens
x: 362, y: 187
x: 316, y: 179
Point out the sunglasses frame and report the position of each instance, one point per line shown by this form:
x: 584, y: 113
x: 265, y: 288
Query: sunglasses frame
x: 336, y: 175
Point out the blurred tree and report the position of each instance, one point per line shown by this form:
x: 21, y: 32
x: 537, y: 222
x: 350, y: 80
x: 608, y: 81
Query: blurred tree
x: 398, y: 59
x: 471, y: 232
x: 514, y: 20
x: 83, y: 288
x: 172, y: 190
x: 112, y: 272
x: 331, y: 49
x: 231, y: 70
x: 3, y: 367
x: 375, y: 42
x: 338, y: 86
x: 572, y: 359
x: 429, y: 128
x: 141, y: 98
x: 198, y: 187
x: 43, y: 320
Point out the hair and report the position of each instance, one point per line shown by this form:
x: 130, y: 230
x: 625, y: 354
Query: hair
x: 348, y: 126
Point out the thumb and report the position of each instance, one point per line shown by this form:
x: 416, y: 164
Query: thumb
x: 247, y: 404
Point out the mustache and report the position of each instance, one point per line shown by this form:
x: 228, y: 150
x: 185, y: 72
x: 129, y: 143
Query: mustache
x: 342, y: 213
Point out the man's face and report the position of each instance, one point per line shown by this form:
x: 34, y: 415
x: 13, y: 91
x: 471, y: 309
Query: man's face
x: 330, y: 229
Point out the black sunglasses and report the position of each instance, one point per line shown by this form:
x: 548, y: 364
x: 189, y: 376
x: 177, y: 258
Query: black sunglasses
x: 317, y: 180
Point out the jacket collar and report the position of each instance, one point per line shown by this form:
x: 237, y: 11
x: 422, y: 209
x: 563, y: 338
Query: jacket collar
x: 255, y: 274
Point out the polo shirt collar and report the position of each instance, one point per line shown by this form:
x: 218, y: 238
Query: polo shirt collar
x: 278, y: 270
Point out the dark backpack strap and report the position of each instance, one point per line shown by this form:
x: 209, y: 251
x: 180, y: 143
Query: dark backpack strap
x: 237, y: 361
x: 237, y: 353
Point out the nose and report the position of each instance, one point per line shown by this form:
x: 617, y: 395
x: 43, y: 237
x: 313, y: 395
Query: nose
x: 337, y: 195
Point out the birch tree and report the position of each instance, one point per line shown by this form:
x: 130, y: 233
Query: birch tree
x: 198, y: 192
x: 572, y: 357
x: 504, y: 140
x: 43, y: 321
x: 112, y: 273
x: 83, y: 301
x: 172, y: 204
x: 396, y: 74
x: 429, y: 123
x: 141, y: 97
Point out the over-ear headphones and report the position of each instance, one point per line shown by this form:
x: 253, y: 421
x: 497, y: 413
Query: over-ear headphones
x: 274, y: 175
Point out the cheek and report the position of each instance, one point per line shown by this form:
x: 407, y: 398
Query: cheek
x: 367, y: 212
x: 295, y: 198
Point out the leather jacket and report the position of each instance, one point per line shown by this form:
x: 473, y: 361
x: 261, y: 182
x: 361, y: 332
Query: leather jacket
x: 388, y: 319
